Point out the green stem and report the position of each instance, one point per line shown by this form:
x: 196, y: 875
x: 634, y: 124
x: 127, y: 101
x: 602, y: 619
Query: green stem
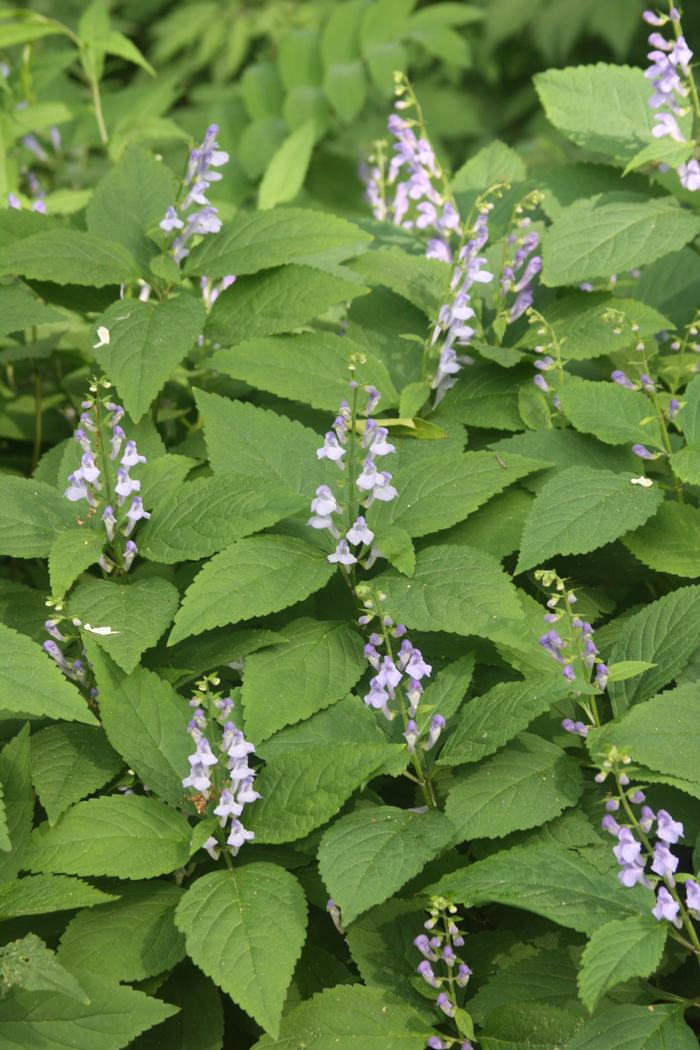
x: 97, y: 105
x: 38, y: 416
x: 690, y: 79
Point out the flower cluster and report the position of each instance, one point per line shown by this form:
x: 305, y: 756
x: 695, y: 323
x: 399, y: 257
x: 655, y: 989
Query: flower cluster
x: 226, y: 777
x: 103, y: 479
x: 370, y: 483
x: 437, y: 947
x: 66, y: 648
x: 642, y: 848
x: 670, y: 76
x: 195, y: 215
x: 451, y: 328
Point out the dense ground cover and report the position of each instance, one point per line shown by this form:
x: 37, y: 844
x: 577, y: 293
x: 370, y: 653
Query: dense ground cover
x: 350, y: 436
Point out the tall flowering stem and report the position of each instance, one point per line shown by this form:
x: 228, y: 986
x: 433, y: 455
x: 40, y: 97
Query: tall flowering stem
x: 357, y: 447
x: 220, y: 781
x: 550, y: 356
x: 443, y: 970
x: 103, y: 482
x: 571, y: 644
x: 520, y: 265
x: 643, y: 851
x: 194, y: 214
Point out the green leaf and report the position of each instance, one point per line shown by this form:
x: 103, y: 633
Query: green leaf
x: 349, y: 721
x: 284, y: 175
x: 670, y: 541
x: 582, y: 509
x: 689, y: 415
x: 45, y: 894
x: 144, y: 718
x: 129, y: 939
x: 631, y: 1027
x: 202, y: 517
x: 147, y: 341
x: 66, y: 256
x: 345, y: 84
x: 617, y: 951
x: 310, y: 368
x: 546, y: 977
x: 664, y: 633
x: 367, y: 856
x: 115, y: 1015
x: 303, y: 788
x: 31, y: 683
x: 139, y: 613
x: 257, y: 240
x: 196, y: 997
x: 435, y: 492
x: 578, y: 320
x: 29, y: 965
x: 130, y: 200
x: 420, y: 280
x: 69, y: 762
x: 620, y: 672
x: 488, y: 399
x: 127, y: 836
x: 485, y: 603
x: 489, y: 721
x: 21, y: 310
x: 118, y: 44
x: 276, y: 301
x: 615, y: 415
x: 523, y: 786
x: 567, y: 448
x: 316, y: 664
x: 686, y: 464
x: 660, y: 733
x: 19, y: 801
x: 512, y: 1026
x: 225, y: 917
x: 579, y: 102
x: 556, y: 883
x: 347, y: 1017
x: 594, y: 238
x: 344, y: 79
x: 71, y: 553
x: 31, y: 515
x: 491, y: 164
x: 253, y: 577
x: 254, y: 441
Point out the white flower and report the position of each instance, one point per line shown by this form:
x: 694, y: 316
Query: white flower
x: 102, y: 337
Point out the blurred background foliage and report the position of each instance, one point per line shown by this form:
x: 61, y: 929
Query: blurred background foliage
x: 264, y: 70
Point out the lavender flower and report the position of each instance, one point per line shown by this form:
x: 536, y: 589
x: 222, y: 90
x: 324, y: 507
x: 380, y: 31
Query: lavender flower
x: 670, y: 74
x: 195, y: 215
x: 439, y: 955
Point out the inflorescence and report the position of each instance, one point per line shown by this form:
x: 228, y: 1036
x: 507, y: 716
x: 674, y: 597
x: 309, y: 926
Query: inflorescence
x: 443, y: 969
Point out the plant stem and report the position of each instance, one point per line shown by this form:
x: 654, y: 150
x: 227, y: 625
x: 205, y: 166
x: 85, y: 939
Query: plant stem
x: 97, y: 105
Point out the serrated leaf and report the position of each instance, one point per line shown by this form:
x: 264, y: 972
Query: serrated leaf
x: 29, y: 965
x: 203, y: 516
x: 578, y: 320
x: 435, y: 492
x: 632, y: 1027
x: 594, y: 238
x: 21, y: 309
x: 493, y: 163
x: 256, y: 241
x: 485, y: 603
x: 660, y: 733
x: 115, y: 1015
x: 511, y: 1026
x: 525, y: 785
x: 615, y: 415
x: 489, y: 721
x: 367, y: 856
x: 664, y: 633
x: 346, y: 1017
x: 252, y: 577
x: 19, y: 801
x: 578, y: 102
x: 487, y: 396
x: 71, y: 553
x: 582, y: 509
x: 129, y: 939
x: 147, y: 341
x: 309, y: 367
x: 276, y: 301
x: 557, y: 883
x: 686, y: 464
x: 130, y: 200
x: 69, y: 762
x: 144, y: 718
x: 567, y: 448
x: 670, y: 541
x: 45, y: 894
x: 303, y: 788
x: 196, y: 997
x: 617, y: 951
x: 225, y: 917
x: 547, y: 977
x: 348, y: 721
x: 284, y: 175
x: 689, y: 415
x: 31, y: 515
x: 138, y: 612
x: 316, y: 664
x: 31, y: 683
x: 245, y: 439
x: 420, y: 280
x: 66, y: 256
x: 128, y: 836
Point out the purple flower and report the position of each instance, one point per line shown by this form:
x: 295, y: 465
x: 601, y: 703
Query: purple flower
x: 689, y: 174
x: 664, y: 863
x: 200, y: 762
x: 130, y: 552
x: 424, y: 947
x: 410, y: 735
x: 668, y: 829
x: 643, y: 452
x: 135, y: 513
x: 425, y: 970
x: 109, y: 522
x: 666, y: 908
x: 131, y: 455
x: 342, y: 555
x: 360, y: 532
x: 692, y: 898
x: 437, y: 724
x: 322, y: 507
x: 445, y: 1004
x: 620, y: 378
x: 199, y: 176
x: 331, y: 449
x: 125, y: 485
